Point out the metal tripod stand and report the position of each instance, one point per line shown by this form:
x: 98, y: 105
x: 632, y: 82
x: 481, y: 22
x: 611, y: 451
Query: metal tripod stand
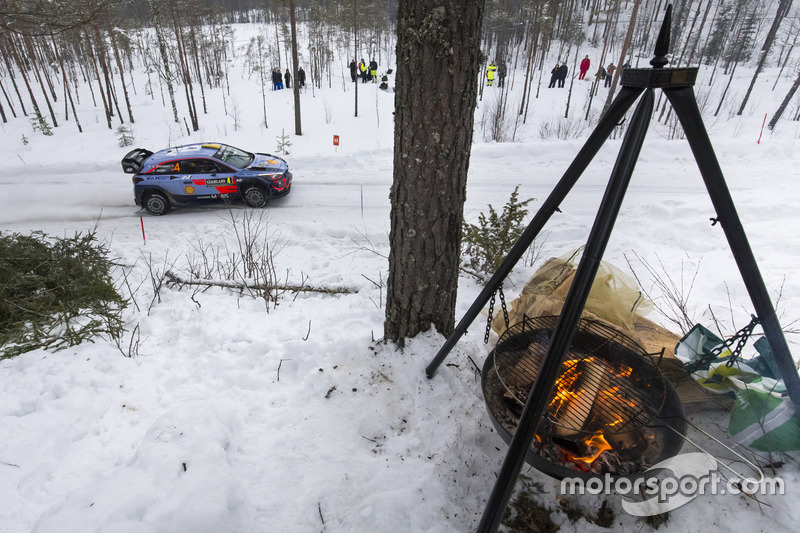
x: 637, y: 84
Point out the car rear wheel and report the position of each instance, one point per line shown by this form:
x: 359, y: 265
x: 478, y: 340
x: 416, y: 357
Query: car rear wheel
x: 255, y: 196
x: 156, y: 204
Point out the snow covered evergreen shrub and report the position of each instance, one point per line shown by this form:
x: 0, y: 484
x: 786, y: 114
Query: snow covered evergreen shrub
x: 40, y: 123
x: 124, y: 136
x: 55, y: 293
x: 485, y: 245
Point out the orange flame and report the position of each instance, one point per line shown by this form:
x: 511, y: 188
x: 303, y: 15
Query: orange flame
x: 600, y: 444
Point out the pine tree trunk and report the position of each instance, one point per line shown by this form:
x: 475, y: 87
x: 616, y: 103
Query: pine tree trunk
x: 196, y: 57
x: 111, y: 95
x: 16, y: 87
x: 8, y: 100
x: 625, y: 44
x: 783, y: 10
x: 355, y: 54
x: 162, y: 48
x: 119, y: 65
x: 67, y: 91
x: 36, y: 70
x: 106, y: 104
x: 298, y: 128
x: 433, y: 139
x: 184, y: 65
x: 786, y: 100
x: 21, y: 67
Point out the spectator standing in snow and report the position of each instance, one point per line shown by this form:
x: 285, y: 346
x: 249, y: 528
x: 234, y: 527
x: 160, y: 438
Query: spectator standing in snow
x: 490, y: 72
x: 562, y: 74
x: 275, y: 80
x: 601, y: 74
x: 288, y: 77
x: 373, y: 71
x: 585, y: 64
x: 353, y: 71
x: 610, y: 74
x: 502, y: 70
x: 553, y: 77
x: 362, y: 67
x: 301, y: 75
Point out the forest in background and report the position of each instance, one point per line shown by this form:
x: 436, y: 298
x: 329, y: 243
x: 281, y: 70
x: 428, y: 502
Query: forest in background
x: 51, y: 51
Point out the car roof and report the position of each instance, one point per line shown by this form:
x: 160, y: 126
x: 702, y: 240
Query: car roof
x: 187, y: 150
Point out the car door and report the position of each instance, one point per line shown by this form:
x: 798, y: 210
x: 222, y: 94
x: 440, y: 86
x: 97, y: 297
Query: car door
x: 167, y: 176
x: 205, y: 179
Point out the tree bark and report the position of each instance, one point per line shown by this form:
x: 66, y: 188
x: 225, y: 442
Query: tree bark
x: 625, y: 44
x: 433, y: 140
x: 783, y: 10
x: 298, y: 128
x: 786, y: 100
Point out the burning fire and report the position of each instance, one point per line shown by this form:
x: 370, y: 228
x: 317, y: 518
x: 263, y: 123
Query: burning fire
x: 586, y: 401
x: 598, y: 443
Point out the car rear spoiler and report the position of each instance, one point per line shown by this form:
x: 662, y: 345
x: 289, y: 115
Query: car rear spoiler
x: 133, y: 160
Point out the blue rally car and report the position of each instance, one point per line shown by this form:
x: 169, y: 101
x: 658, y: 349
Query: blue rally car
x: 204, y: 172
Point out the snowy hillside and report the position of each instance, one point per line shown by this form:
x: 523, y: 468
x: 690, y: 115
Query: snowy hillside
x: 232, y: 415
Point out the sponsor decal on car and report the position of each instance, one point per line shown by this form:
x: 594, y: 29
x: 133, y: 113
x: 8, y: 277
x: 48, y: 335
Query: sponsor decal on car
x: 189, y: 189
x: 218, y: 181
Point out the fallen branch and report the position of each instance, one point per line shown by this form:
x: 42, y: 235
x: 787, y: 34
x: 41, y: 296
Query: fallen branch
x: 173, y: 278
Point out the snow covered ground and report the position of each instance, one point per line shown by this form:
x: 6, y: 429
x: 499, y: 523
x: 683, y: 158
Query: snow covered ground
x: 298, y: 419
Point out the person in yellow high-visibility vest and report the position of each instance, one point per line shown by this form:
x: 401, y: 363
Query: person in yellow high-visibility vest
x: 490, y: 73
x: 362, y: 67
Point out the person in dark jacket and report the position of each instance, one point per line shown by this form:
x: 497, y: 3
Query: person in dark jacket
x: 553, y: 76
x: 276, y: 80
x: 562, y: 74
x: 288, y: 77
x: 373, y: 71
x: 502, y: 71
x: 353, y: 71
x: 601, y: 74
x: 301, y: 76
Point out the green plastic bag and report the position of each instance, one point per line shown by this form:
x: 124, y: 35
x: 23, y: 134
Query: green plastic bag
x: 764, y: 421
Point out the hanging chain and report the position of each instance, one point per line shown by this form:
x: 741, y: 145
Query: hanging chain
x: 503, y: 305
x: 489, y: 321
x: 491, y: 312
x: 741, y: 336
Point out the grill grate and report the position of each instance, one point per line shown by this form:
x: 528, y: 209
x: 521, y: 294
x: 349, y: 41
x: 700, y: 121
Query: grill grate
x: 607, y: 384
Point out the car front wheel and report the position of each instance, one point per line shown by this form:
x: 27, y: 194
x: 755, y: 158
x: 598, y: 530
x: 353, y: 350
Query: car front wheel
x: 255, y: 197
x: 156, y: 204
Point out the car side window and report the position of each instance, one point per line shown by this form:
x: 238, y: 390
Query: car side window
x: 170, y: 167
x: 203, y: 166
x: 224, y: 169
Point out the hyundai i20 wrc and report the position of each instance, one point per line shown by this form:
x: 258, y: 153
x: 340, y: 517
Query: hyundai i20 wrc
x: 204, y: 172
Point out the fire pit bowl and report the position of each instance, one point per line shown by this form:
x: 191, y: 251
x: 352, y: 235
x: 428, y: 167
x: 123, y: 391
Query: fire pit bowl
x: 611, y: 411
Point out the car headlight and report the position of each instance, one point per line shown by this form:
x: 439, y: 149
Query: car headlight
x: 271, y: 177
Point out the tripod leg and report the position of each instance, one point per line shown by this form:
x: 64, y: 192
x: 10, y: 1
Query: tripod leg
x: 608, y: 122
x: 542, y: 388
x: 685, y: 105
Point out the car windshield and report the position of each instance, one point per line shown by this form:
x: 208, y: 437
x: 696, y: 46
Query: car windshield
x: 233, y: 156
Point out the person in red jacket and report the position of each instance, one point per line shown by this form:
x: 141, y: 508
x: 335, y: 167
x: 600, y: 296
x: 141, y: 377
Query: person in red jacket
x: 585, y: 64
